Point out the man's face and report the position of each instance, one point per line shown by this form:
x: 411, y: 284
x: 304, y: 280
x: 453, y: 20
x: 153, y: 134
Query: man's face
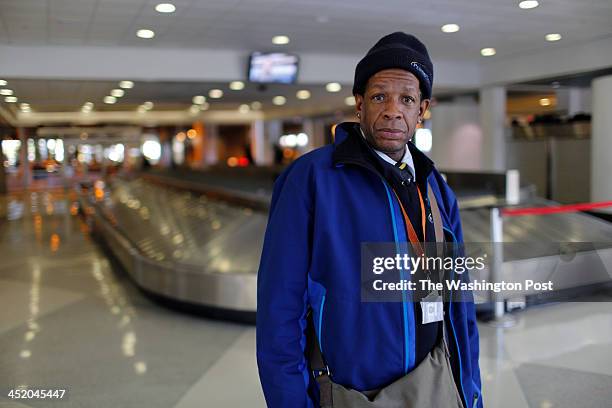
x: 390, y: 109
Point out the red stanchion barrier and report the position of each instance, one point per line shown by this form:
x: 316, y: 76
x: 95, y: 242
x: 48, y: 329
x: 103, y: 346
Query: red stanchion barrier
x: 512, y: 212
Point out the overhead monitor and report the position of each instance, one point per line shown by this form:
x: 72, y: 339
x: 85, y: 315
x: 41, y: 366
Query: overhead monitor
x: 274, y: 67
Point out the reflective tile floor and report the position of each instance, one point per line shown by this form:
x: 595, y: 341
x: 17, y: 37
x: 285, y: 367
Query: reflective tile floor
x: 69, y: 319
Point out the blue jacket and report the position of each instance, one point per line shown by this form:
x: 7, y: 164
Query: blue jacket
x: 321, y: 212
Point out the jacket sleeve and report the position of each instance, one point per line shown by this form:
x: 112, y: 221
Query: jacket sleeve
x: 470, y: 309
x: 282, y: 297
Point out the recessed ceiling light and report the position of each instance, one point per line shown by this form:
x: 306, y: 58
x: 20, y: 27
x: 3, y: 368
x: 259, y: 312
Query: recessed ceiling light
x: 333, y: 87
x: 198, y: 99
x: 255, y: 105
x: 244, y: 108
x: 195, y: 109
x: 142, y: 109
x: 350, y: 101
x: 2, y: 82
x: 215, y: 93
x: 450, y: 28
x: 117, y: 93
x: 553, y: 37
x: 488, y: 52
x: 528, y: 4
x: 302, y: 94
x: 236, y: 85
x: 205, y: 106
x: 279, y: 100
x: 148, y: 105
x: 545, y: 101
x: 6, y: 92
x: 280, y: 40
x: 110, y: 99
x: 165, y: 8
x: 10, y: 99
x: 126, y: 84
x: 145, y: 33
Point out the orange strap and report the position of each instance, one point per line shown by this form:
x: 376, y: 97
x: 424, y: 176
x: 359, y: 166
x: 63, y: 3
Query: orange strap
x: 412, y: 235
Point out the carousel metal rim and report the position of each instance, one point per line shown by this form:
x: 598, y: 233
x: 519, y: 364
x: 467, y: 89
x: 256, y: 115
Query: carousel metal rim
x: 224, y: 295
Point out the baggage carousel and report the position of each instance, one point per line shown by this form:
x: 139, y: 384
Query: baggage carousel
x: 197, y: 244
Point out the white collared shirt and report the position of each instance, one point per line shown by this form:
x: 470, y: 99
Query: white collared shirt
x: 406, y: 159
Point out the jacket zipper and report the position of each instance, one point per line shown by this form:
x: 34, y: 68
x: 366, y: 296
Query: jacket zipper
x: 407, y: 352
x: 321, y: 323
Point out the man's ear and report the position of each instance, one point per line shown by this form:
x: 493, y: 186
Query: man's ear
x: 423, y: 108
x: 358, y: 102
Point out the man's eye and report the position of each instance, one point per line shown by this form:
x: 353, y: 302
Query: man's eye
x: 378, y: 97
x: 409, y: 99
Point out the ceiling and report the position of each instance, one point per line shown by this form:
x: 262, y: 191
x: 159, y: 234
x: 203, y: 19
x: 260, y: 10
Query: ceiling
x: 69, y: 95
x: 321, y: 26
x: 313, y: 25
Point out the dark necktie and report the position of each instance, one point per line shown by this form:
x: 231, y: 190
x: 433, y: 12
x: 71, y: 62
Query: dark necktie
x: 405, y: 173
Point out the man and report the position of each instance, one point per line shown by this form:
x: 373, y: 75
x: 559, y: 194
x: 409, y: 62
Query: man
x: 324, y: 206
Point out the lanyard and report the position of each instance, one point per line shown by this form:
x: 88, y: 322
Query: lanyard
x: 412, y: 235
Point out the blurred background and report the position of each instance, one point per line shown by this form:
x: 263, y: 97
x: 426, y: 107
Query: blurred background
x: 141, y: 141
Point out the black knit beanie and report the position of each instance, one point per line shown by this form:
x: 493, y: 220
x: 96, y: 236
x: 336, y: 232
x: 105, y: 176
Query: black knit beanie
x: 397, y: 50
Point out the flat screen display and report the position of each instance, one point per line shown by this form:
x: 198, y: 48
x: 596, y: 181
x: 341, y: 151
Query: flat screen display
x: 275, y: 67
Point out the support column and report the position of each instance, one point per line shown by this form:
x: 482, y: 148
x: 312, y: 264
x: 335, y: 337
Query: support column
x: 25, y: 171
x: 492, y: 120
x: 273, y: 131
x: 601, y: 141
x: 261, y: 149
x: 574, y: 100
x: 210, y: 156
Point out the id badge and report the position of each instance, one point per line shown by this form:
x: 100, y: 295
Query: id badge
x: 432, y: 309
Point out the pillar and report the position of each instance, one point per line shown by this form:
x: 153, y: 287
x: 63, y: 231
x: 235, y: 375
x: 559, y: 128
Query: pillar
x: 601, y: 140
x: 492, y: 122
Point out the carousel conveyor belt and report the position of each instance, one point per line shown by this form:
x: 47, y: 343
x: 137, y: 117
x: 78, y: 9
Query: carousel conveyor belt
x: 191, y: 243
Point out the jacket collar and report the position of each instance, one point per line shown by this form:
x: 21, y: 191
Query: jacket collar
x: 351, y: 148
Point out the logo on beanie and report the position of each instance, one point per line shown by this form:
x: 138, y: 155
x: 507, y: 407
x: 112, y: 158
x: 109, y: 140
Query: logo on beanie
x: 418, y: 67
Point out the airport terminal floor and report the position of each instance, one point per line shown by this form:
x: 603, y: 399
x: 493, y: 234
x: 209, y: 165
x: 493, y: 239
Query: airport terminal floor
x: 71, y: 318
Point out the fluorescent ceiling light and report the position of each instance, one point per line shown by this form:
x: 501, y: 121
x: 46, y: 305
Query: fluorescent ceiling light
x: 279, y: 100
x: 488, y: 52
x: 280, y: 40
x: 117, y: 93
x: 10, y: 99
x: 545, y: 102
x: 333, y: 87
x: 145, y: 33
x: 350, y: 101
x: 236, y: 85
x: 2, y: 82
x: 6, y: 92
x: 198, y: 99
x: 553, y: 37
x: 450, y: 28
x: 165, y: 8
x: 528, y: 4
x: 148, y: 105
x: 215, y: 93
x: 302, y: 94
x: 110, y: 99
x: 126, y: 84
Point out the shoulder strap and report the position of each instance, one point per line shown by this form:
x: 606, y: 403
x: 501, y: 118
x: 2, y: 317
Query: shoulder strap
x: 435, y: 212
